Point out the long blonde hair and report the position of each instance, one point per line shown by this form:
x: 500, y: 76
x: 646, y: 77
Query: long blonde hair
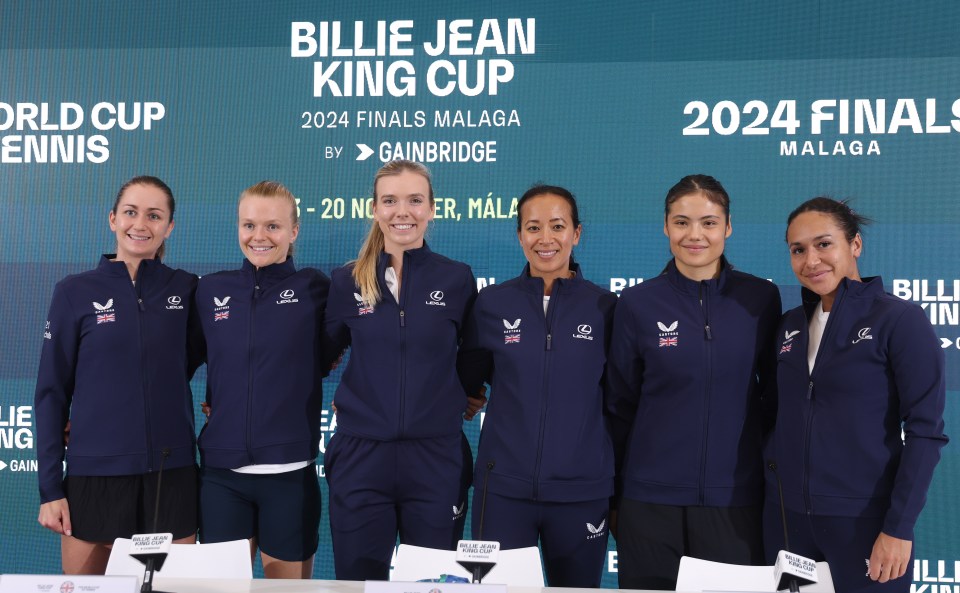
x: 365, y: 266
x: 274, y: 189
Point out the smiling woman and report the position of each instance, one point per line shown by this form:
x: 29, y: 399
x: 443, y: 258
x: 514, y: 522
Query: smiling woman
x: 861, y: 393
x: 258, y: 479
x: 540, y: 341
x: 685, y: 402
x: 131, y: 316
x: 399, y: 462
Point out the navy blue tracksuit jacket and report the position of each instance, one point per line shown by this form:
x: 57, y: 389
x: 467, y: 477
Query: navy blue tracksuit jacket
x: 689, y: 364
x: 117, y: 360
x: 838, y: 440
x: 545, y: 428
x: 264, y: 364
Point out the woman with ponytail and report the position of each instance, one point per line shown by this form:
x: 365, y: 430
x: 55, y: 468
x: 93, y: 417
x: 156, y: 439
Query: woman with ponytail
x: 399, y: 462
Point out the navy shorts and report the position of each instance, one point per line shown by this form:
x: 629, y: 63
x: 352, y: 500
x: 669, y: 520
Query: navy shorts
x: 103, y: 508
x: 282, y: 511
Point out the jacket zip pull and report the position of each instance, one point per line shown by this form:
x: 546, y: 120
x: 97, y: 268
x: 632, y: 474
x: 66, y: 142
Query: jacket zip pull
x: 141, y: 305
x: 810, y: 390
x: 707, y: 332
x: 403, y: 322
x: 549, y: 341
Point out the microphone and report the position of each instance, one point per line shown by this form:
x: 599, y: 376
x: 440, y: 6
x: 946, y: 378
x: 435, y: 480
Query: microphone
x: 478, y: 556
x: 790, y: 569
x: 152, y: 548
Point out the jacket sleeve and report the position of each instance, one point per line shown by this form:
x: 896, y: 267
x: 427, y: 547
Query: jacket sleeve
x: 196, y: 344
x: 335, y: 333
x: 917, y: 364
x: 55, y: 383
x: 321, y: 294
x: 767, y: 364
x: 474, y: 362
x: 624, y: 382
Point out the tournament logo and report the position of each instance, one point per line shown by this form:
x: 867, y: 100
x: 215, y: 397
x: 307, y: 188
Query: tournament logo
x: 669, y: 336
x: 66, y: 587
x: 173, y: 302
x: 287, y: 296
x: 863, y: 334
x: 221, y: 310
x: 436, y: 299
x: 362, y: 308
x: 105, y: 313
x: 595, y: 532
x: 511, y: 333
x: 583, y: 332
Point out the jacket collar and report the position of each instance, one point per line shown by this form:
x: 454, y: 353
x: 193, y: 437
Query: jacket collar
x: 535, y: 284
x: 417, y: 254
x: 869, y: 287
x: 119, y: 268
x: 269, y: 275
x: 695, y: 286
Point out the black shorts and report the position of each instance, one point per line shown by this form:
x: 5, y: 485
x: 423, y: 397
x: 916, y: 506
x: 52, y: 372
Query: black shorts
x: 103, y: 508
x: 281, y: 510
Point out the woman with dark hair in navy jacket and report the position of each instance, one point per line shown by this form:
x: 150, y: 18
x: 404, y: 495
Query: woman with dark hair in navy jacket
x: 399, y: 461
x: 689, y: 365
x: 262, y: 325
x: 860, y: 378
x: 119, y: 348
x: 540, y: 340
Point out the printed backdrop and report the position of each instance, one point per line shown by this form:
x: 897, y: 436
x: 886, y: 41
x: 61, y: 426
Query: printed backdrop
x: 616, y: 100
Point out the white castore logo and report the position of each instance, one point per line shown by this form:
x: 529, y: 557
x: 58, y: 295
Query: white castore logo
x: 788, y: 335
x: 595, y: 532
x: 100, y: 307
x: 509, y: 325
x: 221, y: 303
x: 668, y: 328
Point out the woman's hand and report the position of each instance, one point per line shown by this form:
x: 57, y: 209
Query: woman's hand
x: 890, y: 558
x: 55, y: 516
x: 475, y: 404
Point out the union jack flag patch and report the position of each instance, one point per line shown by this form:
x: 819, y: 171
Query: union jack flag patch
x: 668, y: 342
x: 511, y: 339
x: 364, y: 310
x: 786, y: 347
x: 106, y: 318
x: 222, y: 315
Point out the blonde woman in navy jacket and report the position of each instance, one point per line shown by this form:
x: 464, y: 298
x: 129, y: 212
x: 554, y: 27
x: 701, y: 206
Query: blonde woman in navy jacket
x: 545, y: 464
x: 119, y: 348
x: 861, y: 390
x: 398, y: 463
x: 689, y: 365
x: 262, y: 325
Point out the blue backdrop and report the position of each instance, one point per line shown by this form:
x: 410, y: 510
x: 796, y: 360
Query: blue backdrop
x: 616, y: 100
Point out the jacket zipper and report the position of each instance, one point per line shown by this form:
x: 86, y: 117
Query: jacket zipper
x: 141, y: 308
x: 809, y: 403
x: 548, y: 346
x: 253, y: 306
x: 707, y: 337
x: 403, y: 342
